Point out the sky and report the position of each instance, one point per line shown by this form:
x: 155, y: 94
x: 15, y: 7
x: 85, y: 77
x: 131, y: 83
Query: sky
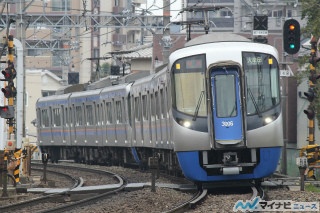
x: 175, y: 7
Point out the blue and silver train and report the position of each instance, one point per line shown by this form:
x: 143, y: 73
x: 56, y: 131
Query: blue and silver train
x: 213, y: 113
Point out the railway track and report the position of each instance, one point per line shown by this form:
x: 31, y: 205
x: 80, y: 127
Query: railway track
x: 58, y: 201
x: 36, y: 201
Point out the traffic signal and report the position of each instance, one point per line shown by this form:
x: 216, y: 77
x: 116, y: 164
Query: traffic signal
x: 310, y: 113
x: 7, y: 112
x: 11, y: 144
x: 314, y: 77
x: 291, y: 36
x: 310, y: 94
x: 9, y: 73
x: 9, y: 91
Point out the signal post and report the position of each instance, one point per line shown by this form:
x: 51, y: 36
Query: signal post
x: 8, y: 112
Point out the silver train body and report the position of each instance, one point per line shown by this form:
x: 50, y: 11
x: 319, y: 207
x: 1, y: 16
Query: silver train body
x: 213, y: 113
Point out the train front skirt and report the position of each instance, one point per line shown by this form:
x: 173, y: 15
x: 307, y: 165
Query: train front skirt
x: 190, y: 165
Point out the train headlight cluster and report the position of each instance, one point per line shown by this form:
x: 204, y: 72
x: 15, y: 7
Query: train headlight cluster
x: 268, y: 120
x: 186, y: 124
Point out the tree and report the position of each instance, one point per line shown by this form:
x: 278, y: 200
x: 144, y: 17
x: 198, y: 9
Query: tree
x: 105, y: 69
x: 311, y: 12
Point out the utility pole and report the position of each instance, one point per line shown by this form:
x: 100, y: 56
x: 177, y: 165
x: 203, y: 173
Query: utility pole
x: 21, y: 76
x: 166, y: 39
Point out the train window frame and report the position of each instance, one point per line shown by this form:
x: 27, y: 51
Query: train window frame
x: 185, y: 97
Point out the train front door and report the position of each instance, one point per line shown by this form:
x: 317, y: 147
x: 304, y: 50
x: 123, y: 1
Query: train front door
x: 226, y: 105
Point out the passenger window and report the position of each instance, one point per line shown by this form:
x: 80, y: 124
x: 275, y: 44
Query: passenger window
x: 144, y: 107
x: 109, y: 112
x: 89, y: 110
x: 137, y: 108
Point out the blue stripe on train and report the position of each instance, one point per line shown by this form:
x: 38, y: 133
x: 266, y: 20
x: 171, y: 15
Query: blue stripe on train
x: 190, y: 165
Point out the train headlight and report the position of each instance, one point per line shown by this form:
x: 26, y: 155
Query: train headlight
x: 268, y: 120
x: 186, y: 124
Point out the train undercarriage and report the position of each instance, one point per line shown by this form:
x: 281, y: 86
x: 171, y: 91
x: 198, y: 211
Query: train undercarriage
x: 115, y: 156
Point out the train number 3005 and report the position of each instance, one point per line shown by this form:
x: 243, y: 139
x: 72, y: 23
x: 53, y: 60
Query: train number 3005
x: 227, y: 123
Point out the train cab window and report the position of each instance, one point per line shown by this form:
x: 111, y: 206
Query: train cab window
x: 78, y: 116
x: 56, y: 117
x: 44, y: 118
x: 90, y: 115
x: 188, y: 85
x: 262, y: 82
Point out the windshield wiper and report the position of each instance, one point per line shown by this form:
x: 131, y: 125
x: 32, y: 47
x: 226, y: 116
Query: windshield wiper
x: 198, y: 106
x: 254, y: 102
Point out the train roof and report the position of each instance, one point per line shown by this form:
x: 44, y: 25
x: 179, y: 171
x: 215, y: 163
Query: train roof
x: 216, y: 37
x: 53, y: 100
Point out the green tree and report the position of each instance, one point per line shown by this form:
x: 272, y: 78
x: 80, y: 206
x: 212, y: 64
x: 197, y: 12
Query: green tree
x: 311, y: 13
x: 105, y: 70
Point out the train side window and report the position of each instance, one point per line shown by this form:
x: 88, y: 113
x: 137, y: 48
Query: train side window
x: 78, y: 116
x: 153, y: 109
x: 167, y: 102
x: 89, y: 113
x: 56, y: 117
x: 109, y: 112
x: 137, y: 108
x: 157, y: 105
x: 129, y: 110
x: 119, y: 112
x: 45, y: 118
x: 144, y: 107
x: 163, y: 104
x: 70, y: 116
x: 66, y: 117
x: 98, y: 113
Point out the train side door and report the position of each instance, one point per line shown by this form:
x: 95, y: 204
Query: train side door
x: 226, y: 105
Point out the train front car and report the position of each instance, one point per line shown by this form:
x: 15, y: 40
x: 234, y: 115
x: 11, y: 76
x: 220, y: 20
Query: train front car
x: 226, y: 111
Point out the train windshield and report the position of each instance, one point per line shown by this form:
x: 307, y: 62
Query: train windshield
x: 262, y: 82
x: 189, y: 85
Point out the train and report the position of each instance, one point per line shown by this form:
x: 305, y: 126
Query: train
x: 213, y: 114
